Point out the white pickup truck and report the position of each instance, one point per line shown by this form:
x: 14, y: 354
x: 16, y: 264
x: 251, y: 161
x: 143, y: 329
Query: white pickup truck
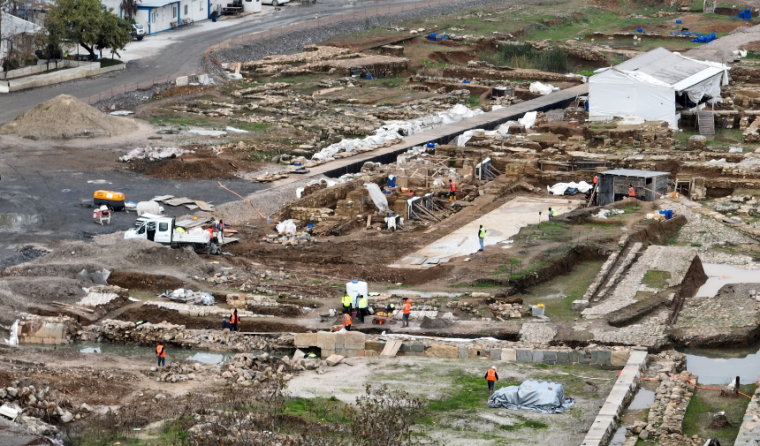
x: 162, y: 230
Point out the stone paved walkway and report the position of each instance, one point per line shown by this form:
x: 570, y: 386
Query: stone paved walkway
x: 537, y: 333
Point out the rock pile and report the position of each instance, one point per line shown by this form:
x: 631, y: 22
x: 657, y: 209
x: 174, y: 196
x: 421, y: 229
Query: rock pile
x: 223, y: 277
x: 201, y: 311
x: 144, y: 334
x: 506, y: 311
x: 176, y: 372
x: 291, y: 240
x: 244, y: 301
x: 246, y: 369
x: 670, y: 402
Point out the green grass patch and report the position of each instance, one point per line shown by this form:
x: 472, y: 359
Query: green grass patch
x: 705, y: 403
x: 469, y: 394
x: 106, y: 62
x: 328, y: 410
x: 525, y: 56
x: 179, y: 122
x: 656, y: 279
x: 527, y: 423
x: 250, y: 126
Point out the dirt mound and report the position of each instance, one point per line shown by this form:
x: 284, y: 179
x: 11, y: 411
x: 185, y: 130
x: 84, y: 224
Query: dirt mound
x: 66, y: 117
x: 128, y: 255
x: 156, y: 315
x: 196, y: 167
x: 143, y: 281
x: 435, y: 323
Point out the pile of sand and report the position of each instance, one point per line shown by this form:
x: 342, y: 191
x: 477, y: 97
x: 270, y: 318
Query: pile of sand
x: 66, y: 117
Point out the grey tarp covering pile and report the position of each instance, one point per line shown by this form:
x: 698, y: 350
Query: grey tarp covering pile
x: 538, y: 396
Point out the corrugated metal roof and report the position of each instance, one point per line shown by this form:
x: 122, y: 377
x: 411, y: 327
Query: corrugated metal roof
x: 634, y: 173
x: 664, y: 66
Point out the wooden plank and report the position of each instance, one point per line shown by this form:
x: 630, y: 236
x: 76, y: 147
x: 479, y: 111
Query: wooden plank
x: 228, y: 240
x: 163, y: 197
x: 192, y: 207
x: 391, y: 348
x: 203, y: 206
x: 178, y: 201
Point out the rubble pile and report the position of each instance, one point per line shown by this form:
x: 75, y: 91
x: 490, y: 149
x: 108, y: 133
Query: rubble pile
x: 223, y: 278
x: 244, y: 301
x: 200, y: 311
x: 175, y: 372
x: 291, y: 240
x: 153, y: 153
x: 104, y: 295
x: 144, y: 334
x: 671, y: 400
x: 508, y: 311
x: 737, y: 204
x: 246, y: 369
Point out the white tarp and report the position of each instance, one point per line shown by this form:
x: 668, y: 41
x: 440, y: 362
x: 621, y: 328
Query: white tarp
x: 542, y: 89
x: 398, y: 129
x: 13, y: 339
x: 287, y: 227
x: 378, y: 197
x: 529, y: 120
x: 560, y: 188
x: 613, y: 93
x: 153, y: 153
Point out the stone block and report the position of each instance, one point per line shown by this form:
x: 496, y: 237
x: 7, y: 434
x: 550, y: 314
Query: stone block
x: 361, y: 352
x: 326, y: 340
x: 524, y: 355
x: 370, y: 353
x: 601, y: 357
x: 405, y: 347
x: 619, y: 358
x: 182, y: 81
x: 579, y: 305
x: 573, y: 357
x: 584, y: 357
x: 496, y: 354
x: 550, y: 357
x: 563, y: 357
x: 443, y: 351
x: 376, y: 346
x: 477, y: 295
x: 508, y: 354
x: 340, y: 340
x: 474, y: 353
x: 462, y: 350
x: 538, y: 356
x: 418, y: 347
x: 298, y: 355
x: 305, y: 340
x: 347, y: 353
x: 333, y: 360
x: 326, y: 353
x: 354, y: 340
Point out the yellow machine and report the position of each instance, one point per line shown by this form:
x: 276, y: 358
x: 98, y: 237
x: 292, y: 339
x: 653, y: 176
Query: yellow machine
x: 114, y: 200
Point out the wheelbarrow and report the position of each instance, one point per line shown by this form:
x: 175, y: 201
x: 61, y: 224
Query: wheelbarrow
x: 324, y: 317
x: 381, y: 318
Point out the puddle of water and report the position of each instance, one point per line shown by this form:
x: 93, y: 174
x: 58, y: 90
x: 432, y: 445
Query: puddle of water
x: 203, y: 356
x: 642, y: 400
x: 721, y: 365
x: 719, y: 275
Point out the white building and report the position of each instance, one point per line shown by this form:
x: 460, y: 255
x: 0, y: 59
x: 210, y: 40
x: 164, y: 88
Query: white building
x: 17, y: 34
x: 163, y: 15
x: 654, y: 86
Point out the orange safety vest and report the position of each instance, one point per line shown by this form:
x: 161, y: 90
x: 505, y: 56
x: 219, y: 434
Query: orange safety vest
x: 346, y: 320
x: 233, y: 320
x: 491, y: 375
x: 411, y: 193
x: 161, y: 351
x: 407, y: 307
x: 452, y: 187
x: 631, y: 192
x: 596, y: 179
x: 210, y: 231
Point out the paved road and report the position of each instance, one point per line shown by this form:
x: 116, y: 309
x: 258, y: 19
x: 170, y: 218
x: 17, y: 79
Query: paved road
x: 183, y: 55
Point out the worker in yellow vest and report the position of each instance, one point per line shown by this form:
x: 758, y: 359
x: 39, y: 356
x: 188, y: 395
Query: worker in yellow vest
x: 347, y: 301
x: 362, y: 304
x: 481, y: 236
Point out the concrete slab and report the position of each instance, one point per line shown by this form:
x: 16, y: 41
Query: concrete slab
x: 501, y: 224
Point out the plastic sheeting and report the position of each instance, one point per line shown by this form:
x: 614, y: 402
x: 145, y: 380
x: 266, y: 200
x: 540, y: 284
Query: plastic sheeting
x: 191, y: 297
x: 502, y: 130
x: 529, y: 120
x: 377, y: 196
x: 398, y: 129
x: 708, y: 87
x: 287, y: 227
x: 542, y: 89
x: 614, y: 93
x: 561, y: 188
x: 13, y: 339
x: 542, y: 397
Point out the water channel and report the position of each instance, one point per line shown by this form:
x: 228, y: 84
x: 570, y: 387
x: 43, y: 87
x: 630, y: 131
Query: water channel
x: 172, y: 354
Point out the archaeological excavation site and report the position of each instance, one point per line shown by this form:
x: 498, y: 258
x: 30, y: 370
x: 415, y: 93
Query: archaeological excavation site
x: 442, y: 223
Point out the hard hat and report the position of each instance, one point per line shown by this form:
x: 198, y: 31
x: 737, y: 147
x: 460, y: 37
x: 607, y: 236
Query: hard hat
x: 195, y: 218
x: 103, y: 208
x: 494, y: 368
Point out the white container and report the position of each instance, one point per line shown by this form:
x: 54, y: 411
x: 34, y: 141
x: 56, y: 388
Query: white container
x: 251, y: 5
x: 355, y: 288
x: 536, y: 310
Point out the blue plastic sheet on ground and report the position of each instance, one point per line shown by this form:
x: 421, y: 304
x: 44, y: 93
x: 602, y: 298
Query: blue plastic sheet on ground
x: 538, y: 396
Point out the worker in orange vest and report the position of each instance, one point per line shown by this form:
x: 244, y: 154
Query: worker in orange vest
x: 596, y: 179
x: 234, y: 320
x: 452, y: 191
x: 491, y: 377
x: 406, y: 310
x: 631, y: 191
x: 347, y: 321
x: 411, y: 193
x: 161, y: 353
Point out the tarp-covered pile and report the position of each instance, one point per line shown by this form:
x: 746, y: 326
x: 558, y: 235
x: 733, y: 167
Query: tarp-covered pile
x: 191, y: 297
x: 571, y: 188
x: 538, y: 396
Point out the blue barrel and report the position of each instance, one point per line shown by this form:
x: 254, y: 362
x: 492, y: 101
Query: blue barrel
x: 670, y: 214
x: 678, y: 21
x: 639, y: 30
x: 465, y: 82
x: 432, y: 36
x: 431, y: 145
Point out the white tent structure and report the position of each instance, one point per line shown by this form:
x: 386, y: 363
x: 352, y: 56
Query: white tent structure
x: 651, y: 86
